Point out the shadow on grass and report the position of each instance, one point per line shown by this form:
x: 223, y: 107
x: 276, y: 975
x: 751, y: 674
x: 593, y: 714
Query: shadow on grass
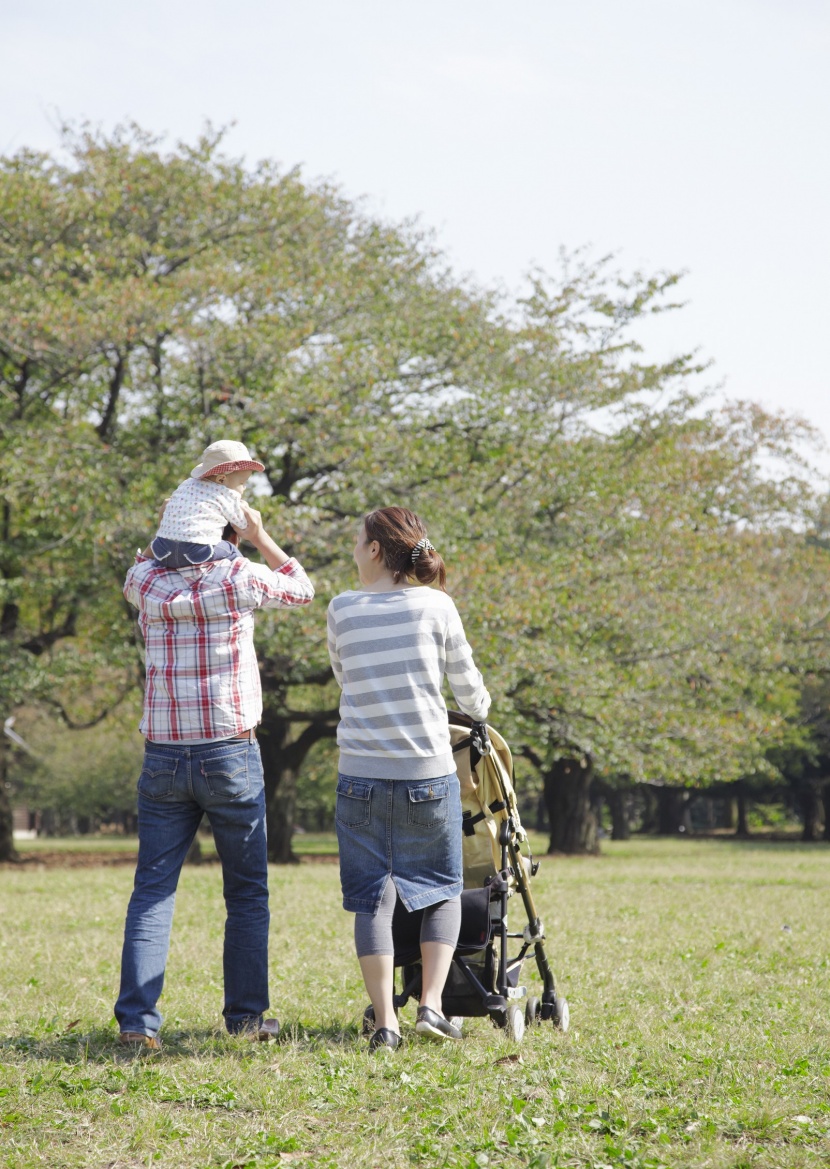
x: 100, y: 1044
x: 333, y: 1034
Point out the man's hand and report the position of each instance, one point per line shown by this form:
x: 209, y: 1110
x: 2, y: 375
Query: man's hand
x: 255, y: 534
x: 255, y: 530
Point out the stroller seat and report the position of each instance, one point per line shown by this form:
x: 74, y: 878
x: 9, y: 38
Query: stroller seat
x: 476, y: 927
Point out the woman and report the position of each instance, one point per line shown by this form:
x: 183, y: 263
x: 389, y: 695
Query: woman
x: 398, y: 809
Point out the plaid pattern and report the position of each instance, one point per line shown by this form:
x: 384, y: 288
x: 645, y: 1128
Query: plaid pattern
x: 198, y: 628
x: 234, y: 465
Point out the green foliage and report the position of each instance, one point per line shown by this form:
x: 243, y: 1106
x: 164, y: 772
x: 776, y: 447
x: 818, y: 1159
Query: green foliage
x: 87, y: 773
x: 629, y: 560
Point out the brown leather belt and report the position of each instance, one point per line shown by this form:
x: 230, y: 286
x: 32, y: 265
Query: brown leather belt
x: 246, y: 737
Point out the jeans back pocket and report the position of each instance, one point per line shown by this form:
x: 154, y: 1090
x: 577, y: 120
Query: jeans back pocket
x: 353, y: 808
x: 428, y: 803
x: 226, y: 776
x: 158, y: 777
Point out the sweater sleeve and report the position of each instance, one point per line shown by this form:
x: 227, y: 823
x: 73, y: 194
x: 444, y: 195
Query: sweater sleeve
x: 464, y: 678
x: 332, y: 644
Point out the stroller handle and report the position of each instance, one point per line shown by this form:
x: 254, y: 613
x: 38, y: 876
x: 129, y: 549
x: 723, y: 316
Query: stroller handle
x: 480, y: 738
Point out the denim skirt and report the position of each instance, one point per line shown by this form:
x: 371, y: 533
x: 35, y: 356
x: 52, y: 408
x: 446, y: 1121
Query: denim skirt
x: 409, y: 830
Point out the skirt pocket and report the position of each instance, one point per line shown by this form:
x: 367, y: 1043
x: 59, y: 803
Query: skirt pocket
x: 428, y: 803
x: 353, y: 807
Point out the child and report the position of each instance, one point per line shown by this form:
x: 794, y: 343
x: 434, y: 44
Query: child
x: 199, y: 509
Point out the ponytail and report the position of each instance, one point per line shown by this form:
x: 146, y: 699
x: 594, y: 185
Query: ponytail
x: 405, y: 545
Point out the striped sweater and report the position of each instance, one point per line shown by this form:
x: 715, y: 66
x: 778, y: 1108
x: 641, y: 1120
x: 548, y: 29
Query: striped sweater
x: 390, y: 652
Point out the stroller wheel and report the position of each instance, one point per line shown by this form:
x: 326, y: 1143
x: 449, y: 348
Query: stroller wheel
x: 562, y: 1015
x: 533, y: 1011
x: 515, y: 1022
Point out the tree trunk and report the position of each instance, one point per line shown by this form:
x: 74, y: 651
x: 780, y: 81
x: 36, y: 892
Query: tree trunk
x: 573, y: 822
x: 810, y: 804
x: 281, y: 810
x: 541, y: 813
x: 825, y: 799
x: 672, y: 811
x: 729, y: 812
x: 619, y: 805
x: 742, y: 829
x: 273, y: 735
x: 281, y: 763
x: 7, y: 850
x: 648, y: 797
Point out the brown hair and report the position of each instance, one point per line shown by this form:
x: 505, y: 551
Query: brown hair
x: 398, y: 530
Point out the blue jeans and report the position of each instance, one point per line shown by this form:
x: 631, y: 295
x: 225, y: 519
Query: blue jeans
x: 176, y: 785
x: 180, y: 554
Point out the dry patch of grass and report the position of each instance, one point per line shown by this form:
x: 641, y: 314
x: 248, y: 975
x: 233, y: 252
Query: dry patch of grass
x: 698, y: 976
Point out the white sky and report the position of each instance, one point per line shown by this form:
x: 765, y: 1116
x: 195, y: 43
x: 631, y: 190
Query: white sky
x: 680, y: 134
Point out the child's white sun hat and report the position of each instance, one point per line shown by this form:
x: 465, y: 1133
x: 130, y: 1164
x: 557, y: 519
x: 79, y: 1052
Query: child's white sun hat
x: 220, y: 458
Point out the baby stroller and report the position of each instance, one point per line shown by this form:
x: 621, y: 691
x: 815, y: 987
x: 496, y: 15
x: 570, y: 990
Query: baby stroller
x: 483, y: 978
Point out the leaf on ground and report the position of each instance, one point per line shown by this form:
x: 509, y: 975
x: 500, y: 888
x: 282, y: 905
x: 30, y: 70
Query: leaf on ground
x: 515, y: 1058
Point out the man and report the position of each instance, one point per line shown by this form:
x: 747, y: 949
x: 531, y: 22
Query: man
x: 202, y: 702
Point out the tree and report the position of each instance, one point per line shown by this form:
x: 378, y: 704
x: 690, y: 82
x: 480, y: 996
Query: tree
x: 79, y: 779
x: 153, y: 302
x: 647, y: 603
x: 619, y: 552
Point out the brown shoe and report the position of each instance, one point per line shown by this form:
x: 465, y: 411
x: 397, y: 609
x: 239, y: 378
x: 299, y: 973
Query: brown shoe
x: 139, y: 1040
x: 267, y: 1030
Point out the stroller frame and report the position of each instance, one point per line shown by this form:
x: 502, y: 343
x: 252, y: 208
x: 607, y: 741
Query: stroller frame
x: 481, y: 965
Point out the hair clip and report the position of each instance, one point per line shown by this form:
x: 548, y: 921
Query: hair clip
x: 423, y: 545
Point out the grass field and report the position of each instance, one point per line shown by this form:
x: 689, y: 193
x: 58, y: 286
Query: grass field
x: 305, y: 843
x: 697, y: 972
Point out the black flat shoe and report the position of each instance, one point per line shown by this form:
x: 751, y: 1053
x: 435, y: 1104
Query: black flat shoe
x: 383, y: 1037
x: 435, y: 1026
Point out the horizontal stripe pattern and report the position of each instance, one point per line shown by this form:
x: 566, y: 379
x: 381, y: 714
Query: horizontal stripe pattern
x: 390, y: 652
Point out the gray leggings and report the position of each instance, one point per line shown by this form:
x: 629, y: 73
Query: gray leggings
x: 373, y: 932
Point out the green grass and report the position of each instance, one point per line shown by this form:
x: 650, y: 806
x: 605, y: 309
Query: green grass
x: 94, y: 843
x: 304, y: 844
x: 700, y: 1032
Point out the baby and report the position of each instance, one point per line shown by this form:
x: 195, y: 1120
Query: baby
x: 199, y: 509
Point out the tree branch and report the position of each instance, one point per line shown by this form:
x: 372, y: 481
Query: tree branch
x: 93, y: 722
x: 116, y: 382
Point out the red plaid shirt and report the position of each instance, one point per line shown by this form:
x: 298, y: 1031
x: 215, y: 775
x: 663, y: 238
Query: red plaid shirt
x: 198, y: 627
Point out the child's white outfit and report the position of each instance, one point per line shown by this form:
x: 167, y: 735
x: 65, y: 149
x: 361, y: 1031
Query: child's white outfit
x: 191, y: 528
